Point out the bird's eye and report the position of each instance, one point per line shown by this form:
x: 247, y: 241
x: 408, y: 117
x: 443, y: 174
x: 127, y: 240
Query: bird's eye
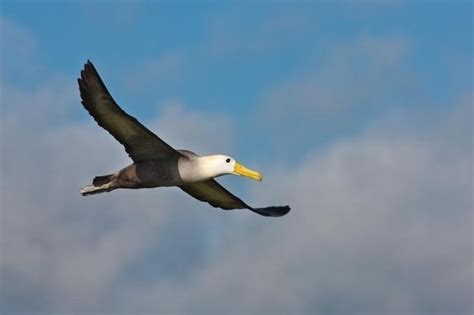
x: 228, y: 160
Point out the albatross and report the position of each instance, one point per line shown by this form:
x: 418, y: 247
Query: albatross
x: 156, y: 163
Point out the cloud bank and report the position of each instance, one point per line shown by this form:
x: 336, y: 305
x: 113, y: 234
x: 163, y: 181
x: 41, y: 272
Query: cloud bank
x: 381, y: 223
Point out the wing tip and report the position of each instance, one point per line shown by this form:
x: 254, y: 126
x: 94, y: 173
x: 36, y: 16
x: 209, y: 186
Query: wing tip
x: 90, y: 82
x: 88, y: 64
x: 275, y: 211
x: 88, y: 71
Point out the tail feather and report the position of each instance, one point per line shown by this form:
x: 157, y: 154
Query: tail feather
x: 99, y: 185
x: 92, y: 190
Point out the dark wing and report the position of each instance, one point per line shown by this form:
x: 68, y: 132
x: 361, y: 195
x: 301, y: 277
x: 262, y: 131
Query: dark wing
x: 139, y: 142
x: 217, y: 196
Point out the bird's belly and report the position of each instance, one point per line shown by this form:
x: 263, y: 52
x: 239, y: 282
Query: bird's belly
x: 152, y: 173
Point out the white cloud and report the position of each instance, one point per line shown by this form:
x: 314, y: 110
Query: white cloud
x: 381, y: 224
x: 63, y: 252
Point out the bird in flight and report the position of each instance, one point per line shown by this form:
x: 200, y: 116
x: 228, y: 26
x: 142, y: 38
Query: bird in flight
x: 156, y: 163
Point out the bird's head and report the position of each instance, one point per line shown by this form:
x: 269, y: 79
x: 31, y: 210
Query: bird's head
x: 218, y: 165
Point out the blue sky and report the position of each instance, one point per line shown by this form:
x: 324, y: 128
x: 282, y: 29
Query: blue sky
x: 359, y: 114
x: 202, y: 53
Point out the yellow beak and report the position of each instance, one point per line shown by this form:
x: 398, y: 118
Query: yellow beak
x: 241, y: 170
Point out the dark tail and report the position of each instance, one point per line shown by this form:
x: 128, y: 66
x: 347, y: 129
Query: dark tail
x: 102, y: 180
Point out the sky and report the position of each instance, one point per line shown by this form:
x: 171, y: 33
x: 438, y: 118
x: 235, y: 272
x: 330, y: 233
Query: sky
x: 358, y: 114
